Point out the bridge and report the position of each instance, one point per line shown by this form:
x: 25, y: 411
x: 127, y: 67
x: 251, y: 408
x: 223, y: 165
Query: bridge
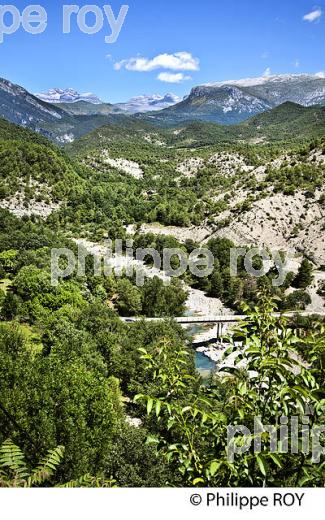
x: 220, y: 324
x: 224, y: 319
x: 191, y: 320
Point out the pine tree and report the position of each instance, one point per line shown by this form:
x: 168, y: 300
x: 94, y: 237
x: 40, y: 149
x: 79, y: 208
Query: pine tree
x: 305, y: 276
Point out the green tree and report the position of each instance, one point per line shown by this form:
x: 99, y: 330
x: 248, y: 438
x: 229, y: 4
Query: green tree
x: 129, y: 300
x: 304, y: 277
x: 217, y: 287
x: 63, y: 398
x: 163, y: 301
x: 11, y: 305
x: 296, y: 301
x: 31, y: 281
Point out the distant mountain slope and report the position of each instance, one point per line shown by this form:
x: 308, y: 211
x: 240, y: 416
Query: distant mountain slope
x: 20, y: 107
x: 287, y: 123
x: 59, y: 123
x: 232, y: 102
x: 223, y: 105
x: 147, y: 103
x: 85, y: 108
x: 68, y: 98
x: 12, y: 132
x: 64, y: 123
x: 69, y: 95
x: 303, y: 89
x: 76, y: 126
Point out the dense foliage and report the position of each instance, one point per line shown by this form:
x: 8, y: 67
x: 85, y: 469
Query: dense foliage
x: 265, y: 385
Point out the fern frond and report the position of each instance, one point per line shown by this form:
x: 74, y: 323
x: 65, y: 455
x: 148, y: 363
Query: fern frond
x: 47, y: 467
x: 87, y: 481
x: 4, y: 480
x: 12, y: 457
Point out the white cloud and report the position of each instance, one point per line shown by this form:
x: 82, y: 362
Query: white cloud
x: 313, y: 16
x: 265, y: 55
x: 176, y: 61
x: 267, y: 72
x: 320, y: 74
x: 296, y: 64
x: 170, y: 77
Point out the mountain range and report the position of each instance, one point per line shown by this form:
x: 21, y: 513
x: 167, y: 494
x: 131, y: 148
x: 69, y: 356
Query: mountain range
x: 232, y: 102
x: 143, y: 103
x: 289, y: 122
x: 62, y: 122
x: 69, y: 95
x: 149, y: 103
x: 72, y: 115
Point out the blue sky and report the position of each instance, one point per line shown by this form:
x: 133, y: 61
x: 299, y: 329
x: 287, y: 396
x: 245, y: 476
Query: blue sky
x: 183, y: 43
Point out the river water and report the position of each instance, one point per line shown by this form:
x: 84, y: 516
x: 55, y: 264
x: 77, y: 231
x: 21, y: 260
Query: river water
x: 203, y: 364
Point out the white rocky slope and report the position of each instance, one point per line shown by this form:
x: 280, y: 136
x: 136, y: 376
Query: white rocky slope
x: 292, y: 223
x: 304, y: 89
x: 41, y: 205
x: 281, y: 222
x: 129, y: 167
